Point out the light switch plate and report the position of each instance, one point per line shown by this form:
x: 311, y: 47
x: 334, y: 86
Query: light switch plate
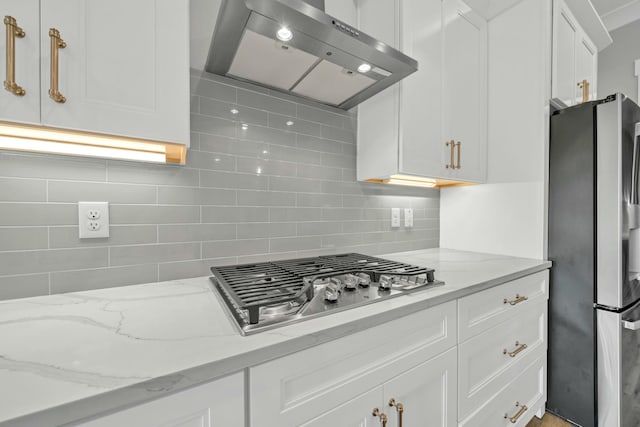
x: 93, y: 220
x: 395, y: 217
x: 408, y: 217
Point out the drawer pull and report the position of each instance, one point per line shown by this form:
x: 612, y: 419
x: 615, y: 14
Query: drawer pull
x: 399, y: 407
x: 518, y: 300
x: 518, y: 414
x: 381, y: 415
x: 514, y: 353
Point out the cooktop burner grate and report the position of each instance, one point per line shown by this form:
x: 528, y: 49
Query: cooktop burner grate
x: 248, y: 287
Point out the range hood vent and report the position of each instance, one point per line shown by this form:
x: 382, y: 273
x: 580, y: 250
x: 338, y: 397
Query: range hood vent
x: 294, y: 47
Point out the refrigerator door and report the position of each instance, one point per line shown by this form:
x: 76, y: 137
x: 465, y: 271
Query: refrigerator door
x: 619, y: 368
x: 617, y: 203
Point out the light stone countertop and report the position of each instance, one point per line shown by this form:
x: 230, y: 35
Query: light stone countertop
x: 73, y: 356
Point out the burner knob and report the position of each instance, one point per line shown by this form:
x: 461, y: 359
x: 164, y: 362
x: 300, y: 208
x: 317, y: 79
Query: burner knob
x: 351, y: 282
x: 364, y: 280
x: 386, y: 282
x: 332, y: 292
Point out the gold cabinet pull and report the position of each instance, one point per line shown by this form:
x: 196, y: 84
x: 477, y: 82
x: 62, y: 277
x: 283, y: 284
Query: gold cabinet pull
x: 13, y: 31
x: 522, y: 410
x: 459, y: 145
x: 514, y: 353
x: 517, y: 300
x: 381, y: 415
x: 56, y: 44
x: 452, y: 145
x: 584, y: 85
x: 399, y: 408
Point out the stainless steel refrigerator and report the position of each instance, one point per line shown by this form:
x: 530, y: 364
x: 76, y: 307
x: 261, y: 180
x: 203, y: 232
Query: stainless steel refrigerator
x: 594, y: 243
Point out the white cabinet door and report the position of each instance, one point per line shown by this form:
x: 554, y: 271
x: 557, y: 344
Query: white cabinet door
x: 357, y: 412
x: 427, y: 393
x: 124, y: 68
x: 378, y: 117
x: 26, y: 107
x: 565, y: 34
x: 421, y: 141
x: 465, y: 89
x: 586, y: 66
x: 217, y: 404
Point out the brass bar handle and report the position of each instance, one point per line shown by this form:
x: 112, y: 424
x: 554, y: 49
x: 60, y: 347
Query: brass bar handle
x: 517, y: 300
x: 518, y: 414
x: 451, y: 144
x: 13, y: 31
x: 399, y: 408
x: 56, y: 44
x: 514, y: 353
x: 459, y: 145
x: 381, y: 415
x: 584, y: 85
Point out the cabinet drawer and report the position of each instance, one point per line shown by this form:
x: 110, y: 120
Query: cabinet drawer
x: 486, y: 309
x: 491, y: 360
x: 527, y: 390
x: 295, y: 388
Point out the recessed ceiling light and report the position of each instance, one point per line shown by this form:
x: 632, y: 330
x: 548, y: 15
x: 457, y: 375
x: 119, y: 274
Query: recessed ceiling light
x: 289, y: 123
x: 244, y: 126
x: 234, y: 111
x: 284, y: 34
x: 265, y: 152
x: 364, y: 68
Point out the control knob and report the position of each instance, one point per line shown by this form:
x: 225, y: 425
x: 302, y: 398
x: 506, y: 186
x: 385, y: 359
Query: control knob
x: 332, y: 292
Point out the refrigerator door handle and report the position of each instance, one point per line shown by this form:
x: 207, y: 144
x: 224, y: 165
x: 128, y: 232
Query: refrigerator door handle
x: 634, y: 167
x: 634, y: 326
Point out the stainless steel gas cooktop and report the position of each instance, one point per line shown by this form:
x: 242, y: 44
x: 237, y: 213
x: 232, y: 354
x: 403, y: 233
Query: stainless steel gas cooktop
x: 271, y: 294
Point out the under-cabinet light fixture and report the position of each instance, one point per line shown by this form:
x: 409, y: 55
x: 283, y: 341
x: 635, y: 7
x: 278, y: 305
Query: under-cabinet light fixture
x: 411, y: 181
x: 59, y: 141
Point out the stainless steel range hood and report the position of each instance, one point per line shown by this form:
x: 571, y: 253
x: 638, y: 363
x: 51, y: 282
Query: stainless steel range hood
x: 294, y: 47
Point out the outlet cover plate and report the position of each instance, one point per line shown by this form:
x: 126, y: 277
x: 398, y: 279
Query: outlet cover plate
x: 395, y: 217
x: 93, y: 220
x: 408, y: 217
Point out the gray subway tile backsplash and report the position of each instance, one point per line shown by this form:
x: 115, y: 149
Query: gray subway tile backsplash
x: 270, y: 191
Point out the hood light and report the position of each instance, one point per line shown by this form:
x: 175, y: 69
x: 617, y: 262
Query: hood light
x: 57, y: 141
x: 364, y: 68
x: 284, y: 34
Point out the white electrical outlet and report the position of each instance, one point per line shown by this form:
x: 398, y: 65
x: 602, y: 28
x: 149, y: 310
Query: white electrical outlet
x: 408, y: 217
x: 395, y: 217
x: 93, y: 220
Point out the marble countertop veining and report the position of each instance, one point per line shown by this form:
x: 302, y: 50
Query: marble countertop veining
x: 68, y: 357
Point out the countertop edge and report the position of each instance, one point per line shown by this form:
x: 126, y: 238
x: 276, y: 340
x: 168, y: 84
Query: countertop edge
x: 120, y: 399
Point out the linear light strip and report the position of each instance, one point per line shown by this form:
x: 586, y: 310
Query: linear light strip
x: 25, y: 144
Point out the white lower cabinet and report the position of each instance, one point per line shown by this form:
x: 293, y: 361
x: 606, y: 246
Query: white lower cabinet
x: 479, y: 361
x: 502, y: 353
x: 427, y: 394
x: 517, y: 403
x: 219, y: 403
x: 398, y: 359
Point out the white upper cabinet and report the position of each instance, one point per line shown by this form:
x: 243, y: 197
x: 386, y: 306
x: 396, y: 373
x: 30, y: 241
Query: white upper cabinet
x: 575, y: 58
x: 124, y: 68
x: 465, y: 89
x: 408, y: 129
x: 22, y: 103
x: 111, y: 67
x: 421, y: 139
